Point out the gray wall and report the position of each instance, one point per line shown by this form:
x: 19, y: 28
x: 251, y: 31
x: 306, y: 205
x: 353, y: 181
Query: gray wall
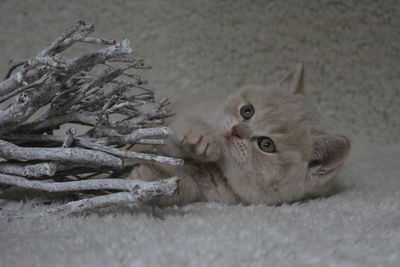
x: 351, y: 49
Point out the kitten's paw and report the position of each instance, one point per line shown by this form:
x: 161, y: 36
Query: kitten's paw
x: 199, y: 141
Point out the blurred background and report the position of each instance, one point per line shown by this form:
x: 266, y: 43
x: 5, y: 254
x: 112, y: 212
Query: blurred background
x: 350, y: 49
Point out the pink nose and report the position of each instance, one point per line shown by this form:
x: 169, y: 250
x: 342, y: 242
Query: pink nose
x: 235, y: 132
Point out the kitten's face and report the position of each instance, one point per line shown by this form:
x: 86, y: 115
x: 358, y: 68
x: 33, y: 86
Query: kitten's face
x: 266, y: 144
x: 272, y: 153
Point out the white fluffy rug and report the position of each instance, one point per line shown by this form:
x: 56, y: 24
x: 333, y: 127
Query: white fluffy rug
x: 359, y: 226
x: 351, y: 52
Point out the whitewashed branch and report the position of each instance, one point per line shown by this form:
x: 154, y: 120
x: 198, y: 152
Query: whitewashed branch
x: 23, y: 88
x: 151, y: 142
x: 135, y: 155
x: 37, y: 170
x: 69, y: 155
x: 139, y: 194
x: 90, y: 184
x: 78, y: 27
x: 97, y: 41
x: 139, y: 134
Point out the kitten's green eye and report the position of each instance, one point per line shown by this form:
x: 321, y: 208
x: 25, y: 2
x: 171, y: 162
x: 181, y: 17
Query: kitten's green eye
x: 266, y: 144
x: 247, y: 111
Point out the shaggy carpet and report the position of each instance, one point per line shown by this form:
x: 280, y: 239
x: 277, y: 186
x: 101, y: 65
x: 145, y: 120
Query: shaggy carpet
x: 359, y: 226
x: 350, y: 50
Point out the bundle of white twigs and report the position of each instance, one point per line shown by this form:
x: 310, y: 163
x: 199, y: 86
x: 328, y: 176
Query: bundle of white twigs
x: 42, y: 94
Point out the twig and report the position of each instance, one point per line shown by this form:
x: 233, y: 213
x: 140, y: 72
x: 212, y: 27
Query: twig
x: 91, y: 184
x: 80, y: 26
x: 23, y: 88
x: 71, y: 155
x: 37, y: 170
x: 135, y: 155
x: 141, y: 193
x: 92, y: 40
x: 151, y: 142
x: 139, y: 134
x: 13, y: 67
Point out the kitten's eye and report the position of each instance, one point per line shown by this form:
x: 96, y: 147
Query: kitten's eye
x: 266, y: 144
x: 247, y: 111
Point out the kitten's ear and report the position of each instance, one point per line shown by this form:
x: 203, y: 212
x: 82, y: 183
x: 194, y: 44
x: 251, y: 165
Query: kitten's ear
x: 329, y: 153
x: 294, y: 81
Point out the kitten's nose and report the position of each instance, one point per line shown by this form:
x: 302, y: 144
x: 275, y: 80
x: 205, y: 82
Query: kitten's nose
x: 235, y: 132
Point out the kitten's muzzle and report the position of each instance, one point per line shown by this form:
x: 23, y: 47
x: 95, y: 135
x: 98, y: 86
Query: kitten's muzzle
x: 239, y: 131
x: 235, y: 132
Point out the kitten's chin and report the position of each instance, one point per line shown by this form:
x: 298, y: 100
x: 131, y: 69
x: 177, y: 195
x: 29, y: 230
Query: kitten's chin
x: 254, y: 188
x: 235, y: 150
x: 240, y: 180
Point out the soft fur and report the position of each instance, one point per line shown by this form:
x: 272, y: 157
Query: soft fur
x: 223, y: 161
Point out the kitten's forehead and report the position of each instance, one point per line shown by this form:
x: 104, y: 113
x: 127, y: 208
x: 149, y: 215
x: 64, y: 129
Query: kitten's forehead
x: 273, y: 106
x: 266, y: 97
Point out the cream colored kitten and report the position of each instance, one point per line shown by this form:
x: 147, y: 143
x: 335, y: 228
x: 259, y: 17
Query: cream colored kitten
x: 259, y: 145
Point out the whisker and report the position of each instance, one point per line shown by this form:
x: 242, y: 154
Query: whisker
x: 239, y: 152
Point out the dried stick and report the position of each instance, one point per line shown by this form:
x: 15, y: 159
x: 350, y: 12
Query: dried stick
x: 151, y: 142
x: 137, y: 137
x: 135, y: 155
x: 139, y: 134
x: 23, y: 88
x: 68, y: 155
x: 29, y: 170
x: 91, y: 184
x: 139, y: 193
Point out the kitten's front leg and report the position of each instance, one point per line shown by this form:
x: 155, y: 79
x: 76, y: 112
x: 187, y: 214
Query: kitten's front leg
x: 197, y: 138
